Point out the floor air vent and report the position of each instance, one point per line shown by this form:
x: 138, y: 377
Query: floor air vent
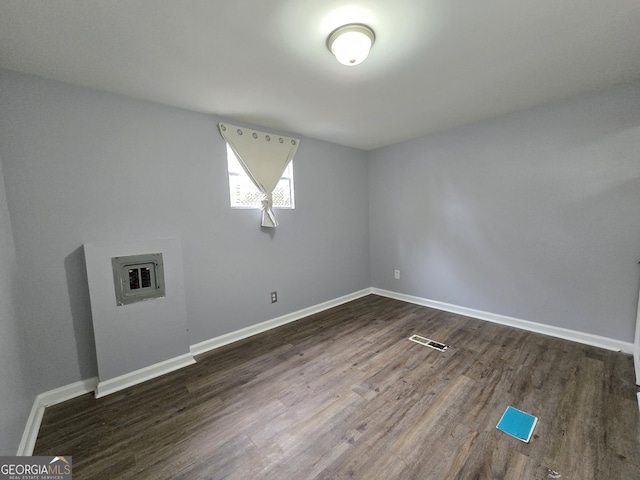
x: 429, y: 343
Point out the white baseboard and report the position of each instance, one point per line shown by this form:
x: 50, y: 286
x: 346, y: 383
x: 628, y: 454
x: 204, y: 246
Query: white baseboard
x: 564, y: 333
x: 142, y: 375
x: 46, y: 399
x: 227, y: 338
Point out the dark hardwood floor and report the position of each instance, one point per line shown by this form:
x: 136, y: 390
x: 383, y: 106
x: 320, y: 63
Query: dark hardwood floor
x: 345, y: 394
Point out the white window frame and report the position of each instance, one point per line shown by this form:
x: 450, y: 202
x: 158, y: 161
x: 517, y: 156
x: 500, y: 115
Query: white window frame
x: 238, y: 179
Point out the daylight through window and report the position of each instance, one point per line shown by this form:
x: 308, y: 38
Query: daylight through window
x: 244, y: 193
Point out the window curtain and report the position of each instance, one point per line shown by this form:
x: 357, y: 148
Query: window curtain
x: 264, y: 157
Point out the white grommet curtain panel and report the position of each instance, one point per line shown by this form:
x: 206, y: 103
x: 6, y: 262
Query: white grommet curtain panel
x: 264, y: 157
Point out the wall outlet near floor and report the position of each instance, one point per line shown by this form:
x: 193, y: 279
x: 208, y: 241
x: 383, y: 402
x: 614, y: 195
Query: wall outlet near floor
x: 274, y: 297
x: 396, y: 274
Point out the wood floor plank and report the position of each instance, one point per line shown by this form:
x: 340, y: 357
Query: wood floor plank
x: 343, y: 394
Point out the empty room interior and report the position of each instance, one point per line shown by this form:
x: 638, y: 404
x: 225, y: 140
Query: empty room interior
x: 230, y: 249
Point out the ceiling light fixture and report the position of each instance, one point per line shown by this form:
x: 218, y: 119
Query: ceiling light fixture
x: 351, y: 43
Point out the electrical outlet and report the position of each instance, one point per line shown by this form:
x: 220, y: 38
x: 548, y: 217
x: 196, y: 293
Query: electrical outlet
x: 396, y: 274
x: 274, y: 297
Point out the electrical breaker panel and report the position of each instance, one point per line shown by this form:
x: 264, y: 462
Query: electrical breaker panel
x: 138, y: 277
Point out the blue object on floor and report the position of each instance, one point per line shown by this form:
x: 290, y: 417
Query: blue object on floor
x: 517, y: 424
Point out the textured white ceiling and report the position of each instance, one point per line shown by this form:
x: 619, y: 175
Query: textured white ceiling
x: 436, y: 64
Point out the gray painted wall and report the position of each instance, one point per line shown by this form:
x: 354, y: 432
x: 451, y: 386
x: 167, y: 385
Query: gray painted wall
x: 16, y: 396
x: 84, y: 166
x: 534, y: 215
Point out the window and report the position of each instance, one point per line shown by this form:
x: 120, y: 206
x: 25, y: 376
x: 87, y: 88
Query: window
x: 244, y: 193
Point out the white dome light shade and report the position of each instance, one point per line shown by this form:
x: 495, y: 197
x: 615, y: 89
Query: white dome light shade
x: 351, y: 43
